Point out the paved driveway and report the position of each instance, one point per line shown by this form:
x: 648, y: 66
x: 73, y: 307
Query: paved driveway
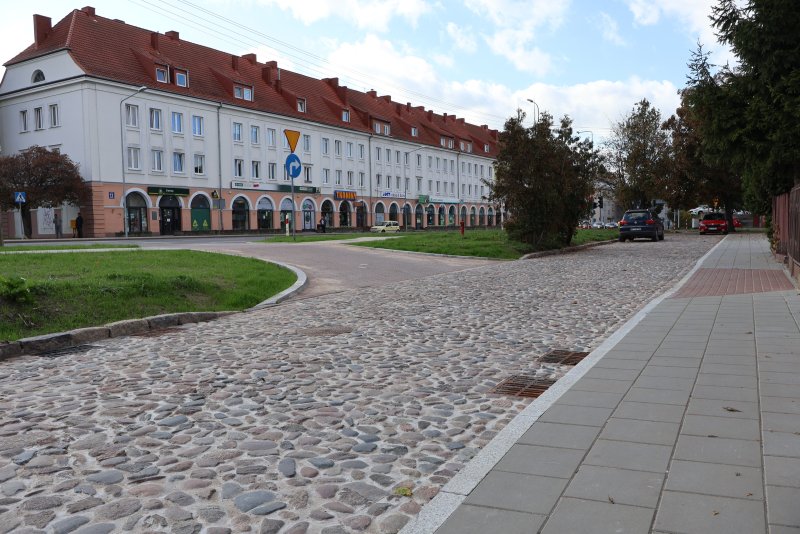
x: 341, y: 413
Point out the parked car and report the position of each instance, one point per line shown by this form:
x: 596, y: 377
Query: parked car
x: 641, y: 223
x: 597, y: 225
x: 611, y: 225
x: 713, y: 222
x: 700, y: 209
x: 386, y: 226
x: 737, y: 223
x: 585, y: 225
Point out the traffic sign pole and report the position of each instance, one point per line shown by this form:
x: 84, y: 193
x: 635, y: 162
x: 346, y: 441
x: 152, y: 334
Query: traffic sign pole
x: 293, y: 168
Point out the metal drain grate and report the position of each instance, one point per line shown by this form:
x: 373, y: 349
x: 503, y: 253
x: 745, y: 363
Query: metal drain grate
x: 325, y: 331
x: 523, y: 386
x: 77, y: 349
x: 563, y: 357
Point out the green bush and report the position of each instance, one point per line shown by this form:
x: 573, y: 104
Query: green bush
x: 15, y: 289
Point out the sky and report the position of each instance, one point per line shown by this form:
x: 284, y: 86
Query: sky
x: 592, y: 60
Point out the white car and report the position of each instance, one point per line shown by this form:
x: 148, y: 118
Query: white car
x: 386, y: 226
x: 700, y: 209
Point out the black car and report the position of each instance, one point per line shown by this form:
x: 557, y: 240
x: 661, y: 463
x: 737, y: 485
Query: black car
x: 641, y: 223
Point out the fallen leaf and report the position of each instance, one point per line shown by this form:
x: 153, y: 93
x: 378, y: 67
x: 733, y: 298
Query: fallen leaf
x: 729, y: 409
x: 749, y: 494
x: 611, y: 499
x: 716, y: 513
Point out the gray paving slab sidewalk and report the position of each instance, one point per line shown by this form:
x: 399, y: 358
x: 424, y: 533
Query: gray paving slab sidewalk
x: 688, y: 422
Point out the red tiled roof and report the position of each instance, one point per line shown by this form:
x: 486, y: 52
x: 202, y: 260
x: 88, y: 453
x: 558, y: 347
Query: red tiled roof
x: 113, y: 50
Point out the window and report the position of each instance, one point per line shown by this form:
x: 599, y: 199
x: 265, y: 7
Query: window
x: 360, y: 151
x: 338, y: 177
x: 326, y: 176
x: 349, y: 177
x: 437, y: 186
x: 38, y: 118
x: 450, y: 143
x: 237, y: 132
x: 308, y: 175
x: 272, y: 171
x: 438, y: 162
x: 177, y: 122
x: 345, y: 115
x: 255, y: 134
x: 461, y: 144
x: 405, y: 158
x: 361, y: 177
x: 482, y: 190
x: 248, y: 93
x: 452, y: 166
x: 337, y: 147
x: 157, y: 160
x: 481, y: 171
x: 255, y: 170
x: 301, y: 105
x: 177, y: 162
x: 286, y: 143
x: 463, y: 189
x: 430, y: 162
x: 243, y: 93
x: 155, y: 119
x: 197, y: 125
x: 407, y: 184
x: 486, y: 147
x: 325, y: 146
x: 54, y: 117
x: 131, y: 115
x: 386, y: 129
x: 414, y: 131
x: 237, y: 91
x: 443, y: 141
x: 419, y: 160
x: 388, y: 156
x: 397, y: 182
x: 133, y: 158
x: 452, y: 188
x: 181, y: 78
x: 23, y: 120
x: 199, y: 164
x: 378, y: 180
x: 306, y: 143
x: 238, y: 168
x: 349, y: 152
x: 271, y: 136
x: 419, y: 184
x: 377, y: 127
x: 377, y: 153
x: 469, y: 147
x: 397, y: 157
x: 161, y: 75
x: 38, y: 76
x: 430, y: 186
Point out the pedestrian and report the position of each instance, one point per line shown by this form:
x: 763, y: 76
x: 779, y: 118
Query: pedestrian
x: 79, y: 224
x: 322, y: 224
x: 57, y: 224
x: 74, y: 229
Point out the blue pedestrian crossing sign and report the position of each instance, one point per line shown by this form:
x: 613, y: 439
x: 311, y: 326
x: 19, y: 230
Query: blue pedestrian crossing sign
x: 19, y: 197
x: 293, y: 166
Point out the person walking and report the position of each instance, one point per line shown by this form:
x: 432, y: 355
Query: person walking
x: 322, y: 224
x: 57, y: 224
x: 79, y: 224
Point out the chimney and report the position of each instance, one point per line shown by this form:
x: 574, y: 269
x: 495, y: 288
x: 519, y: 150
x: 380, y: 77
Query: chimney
x: 333, y: 82
x: 342, y: 92
x: 251, y: 58
x: 387, y: 98
x: 235, y: 62
x: 41, y: 27
x: 173, y: 35
x: 154, y: 40
x: 444, y: 117
x: 89, y: 10
x: 430, y: 114
x: 408, y: 106
x: 267, y: 72
x: 372, y: 93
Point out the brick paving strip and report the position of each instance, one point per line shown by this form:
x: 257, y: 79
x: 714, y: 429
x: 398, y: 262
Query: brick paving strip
x: 341, y: 413
x: 719, y: 282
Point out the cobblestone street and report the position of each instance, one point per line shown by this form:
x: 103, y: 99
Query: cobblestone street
x: 333, y: 414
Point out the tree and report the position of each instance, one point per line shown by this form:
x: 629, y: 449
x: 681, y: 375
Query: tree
x: 543, y: 177
x: 637, y: 151
x: 759, y: 98
x: 47, y: 177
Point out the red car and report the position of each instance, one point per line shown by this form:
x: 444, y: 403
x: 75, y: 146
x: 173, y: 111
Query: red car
x: 713, y: 222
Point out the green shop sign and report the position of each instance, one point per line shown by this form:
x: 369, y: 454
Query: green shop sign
x: 298, y: 189
x: 424, y: 199
x: 176, y: 191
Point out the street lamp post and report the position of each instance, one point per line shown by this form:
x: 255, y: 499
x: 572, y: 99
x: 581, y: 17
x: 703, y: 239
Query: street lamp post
x: 537, y: 108
x: 122, y: 159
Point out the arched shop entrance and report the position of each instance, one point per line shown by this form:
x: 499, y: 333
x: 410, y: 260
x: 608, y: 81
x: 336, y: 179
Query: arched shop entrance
x: 451, y: 216
x: 136, y: 206
x: 170, y: 208
x: 418, y: 215
x: 441, y: 216
x: 309, y: 215
x: 287, y: 211
x: 472, y: 216
x: 201, y: 214
x: 264, y: 210
x: 327, y: 214
x: 490, y: 218
x: 344, y: 214
x: 406, y: 216
x: 431, y: 216
x: 240, y: 213
x: 379, y: 213
x: 464, y: 214
x: 393, y: 213
x: 481, y: 214
x: 361, y: 215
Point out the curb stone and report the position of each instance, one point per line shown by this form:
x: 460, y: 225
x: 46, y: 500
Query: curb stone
x: 568, y: 250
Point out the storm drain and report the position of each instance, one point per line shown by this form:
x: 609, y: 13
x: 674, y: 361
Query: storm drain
x: 325, y: 331
x: 523, y: 386
x: 563, y: 357
x: 77, y: 349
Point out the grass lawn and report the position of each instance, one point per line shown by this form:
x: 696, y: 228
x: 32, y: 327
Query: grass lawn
x: 74, y: 290
x: 480, y: 243
x: 23, y: 248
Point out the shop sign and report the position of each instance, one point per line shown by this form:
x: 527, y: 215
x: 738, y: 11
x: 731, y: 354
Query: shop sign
x: 248, y: 185
x: 175, y: 191
x: 424, y: 199
x: 344, y: 195
x: 444, y: 200
x: 298, y: 189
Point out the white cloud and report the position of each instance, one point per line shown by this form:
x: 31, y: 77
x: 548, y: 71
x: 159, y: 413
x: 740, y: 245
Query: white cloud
x: 610, y: 29
x: 463, y: 38
x: 443, y: 60
x: 374, y: 15
x: 517, y: 25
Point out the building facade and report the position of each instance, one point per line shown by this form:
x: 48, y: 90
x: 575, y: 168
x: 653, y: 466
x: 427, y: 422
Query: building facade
x: 174, y: 137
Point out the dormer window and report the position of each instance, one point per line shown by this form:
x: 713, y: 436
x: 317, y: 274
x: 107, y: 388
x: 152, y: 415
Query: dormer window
x: 181, y: 78
x: 461, y: 144
x: 469, y: 147
x: 301, y: 105
x: 386, y: 129
x: 377, y: 127
x: 486, y: 147
x: 243, y: 92
x: 449, y: 143
x: 162, y: 75
x: 345, y: 115
x: 38, y: 76
x: 443, y: 141
x: 414, y: 131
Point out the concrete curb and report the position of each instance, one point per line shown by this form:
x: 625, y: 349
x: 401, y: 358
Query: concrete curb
x: 568, y: 250
x: 80, y: 336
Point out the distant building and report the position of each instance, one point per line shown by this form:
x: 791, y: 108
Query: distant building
x: 174, y: 137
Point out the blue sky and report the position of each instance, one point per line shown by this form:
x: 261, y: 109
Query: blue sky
x: 478, y: 59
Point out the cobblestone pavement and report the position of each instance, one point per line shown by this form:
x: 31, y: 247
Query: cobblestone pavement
x: 335, y: 414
